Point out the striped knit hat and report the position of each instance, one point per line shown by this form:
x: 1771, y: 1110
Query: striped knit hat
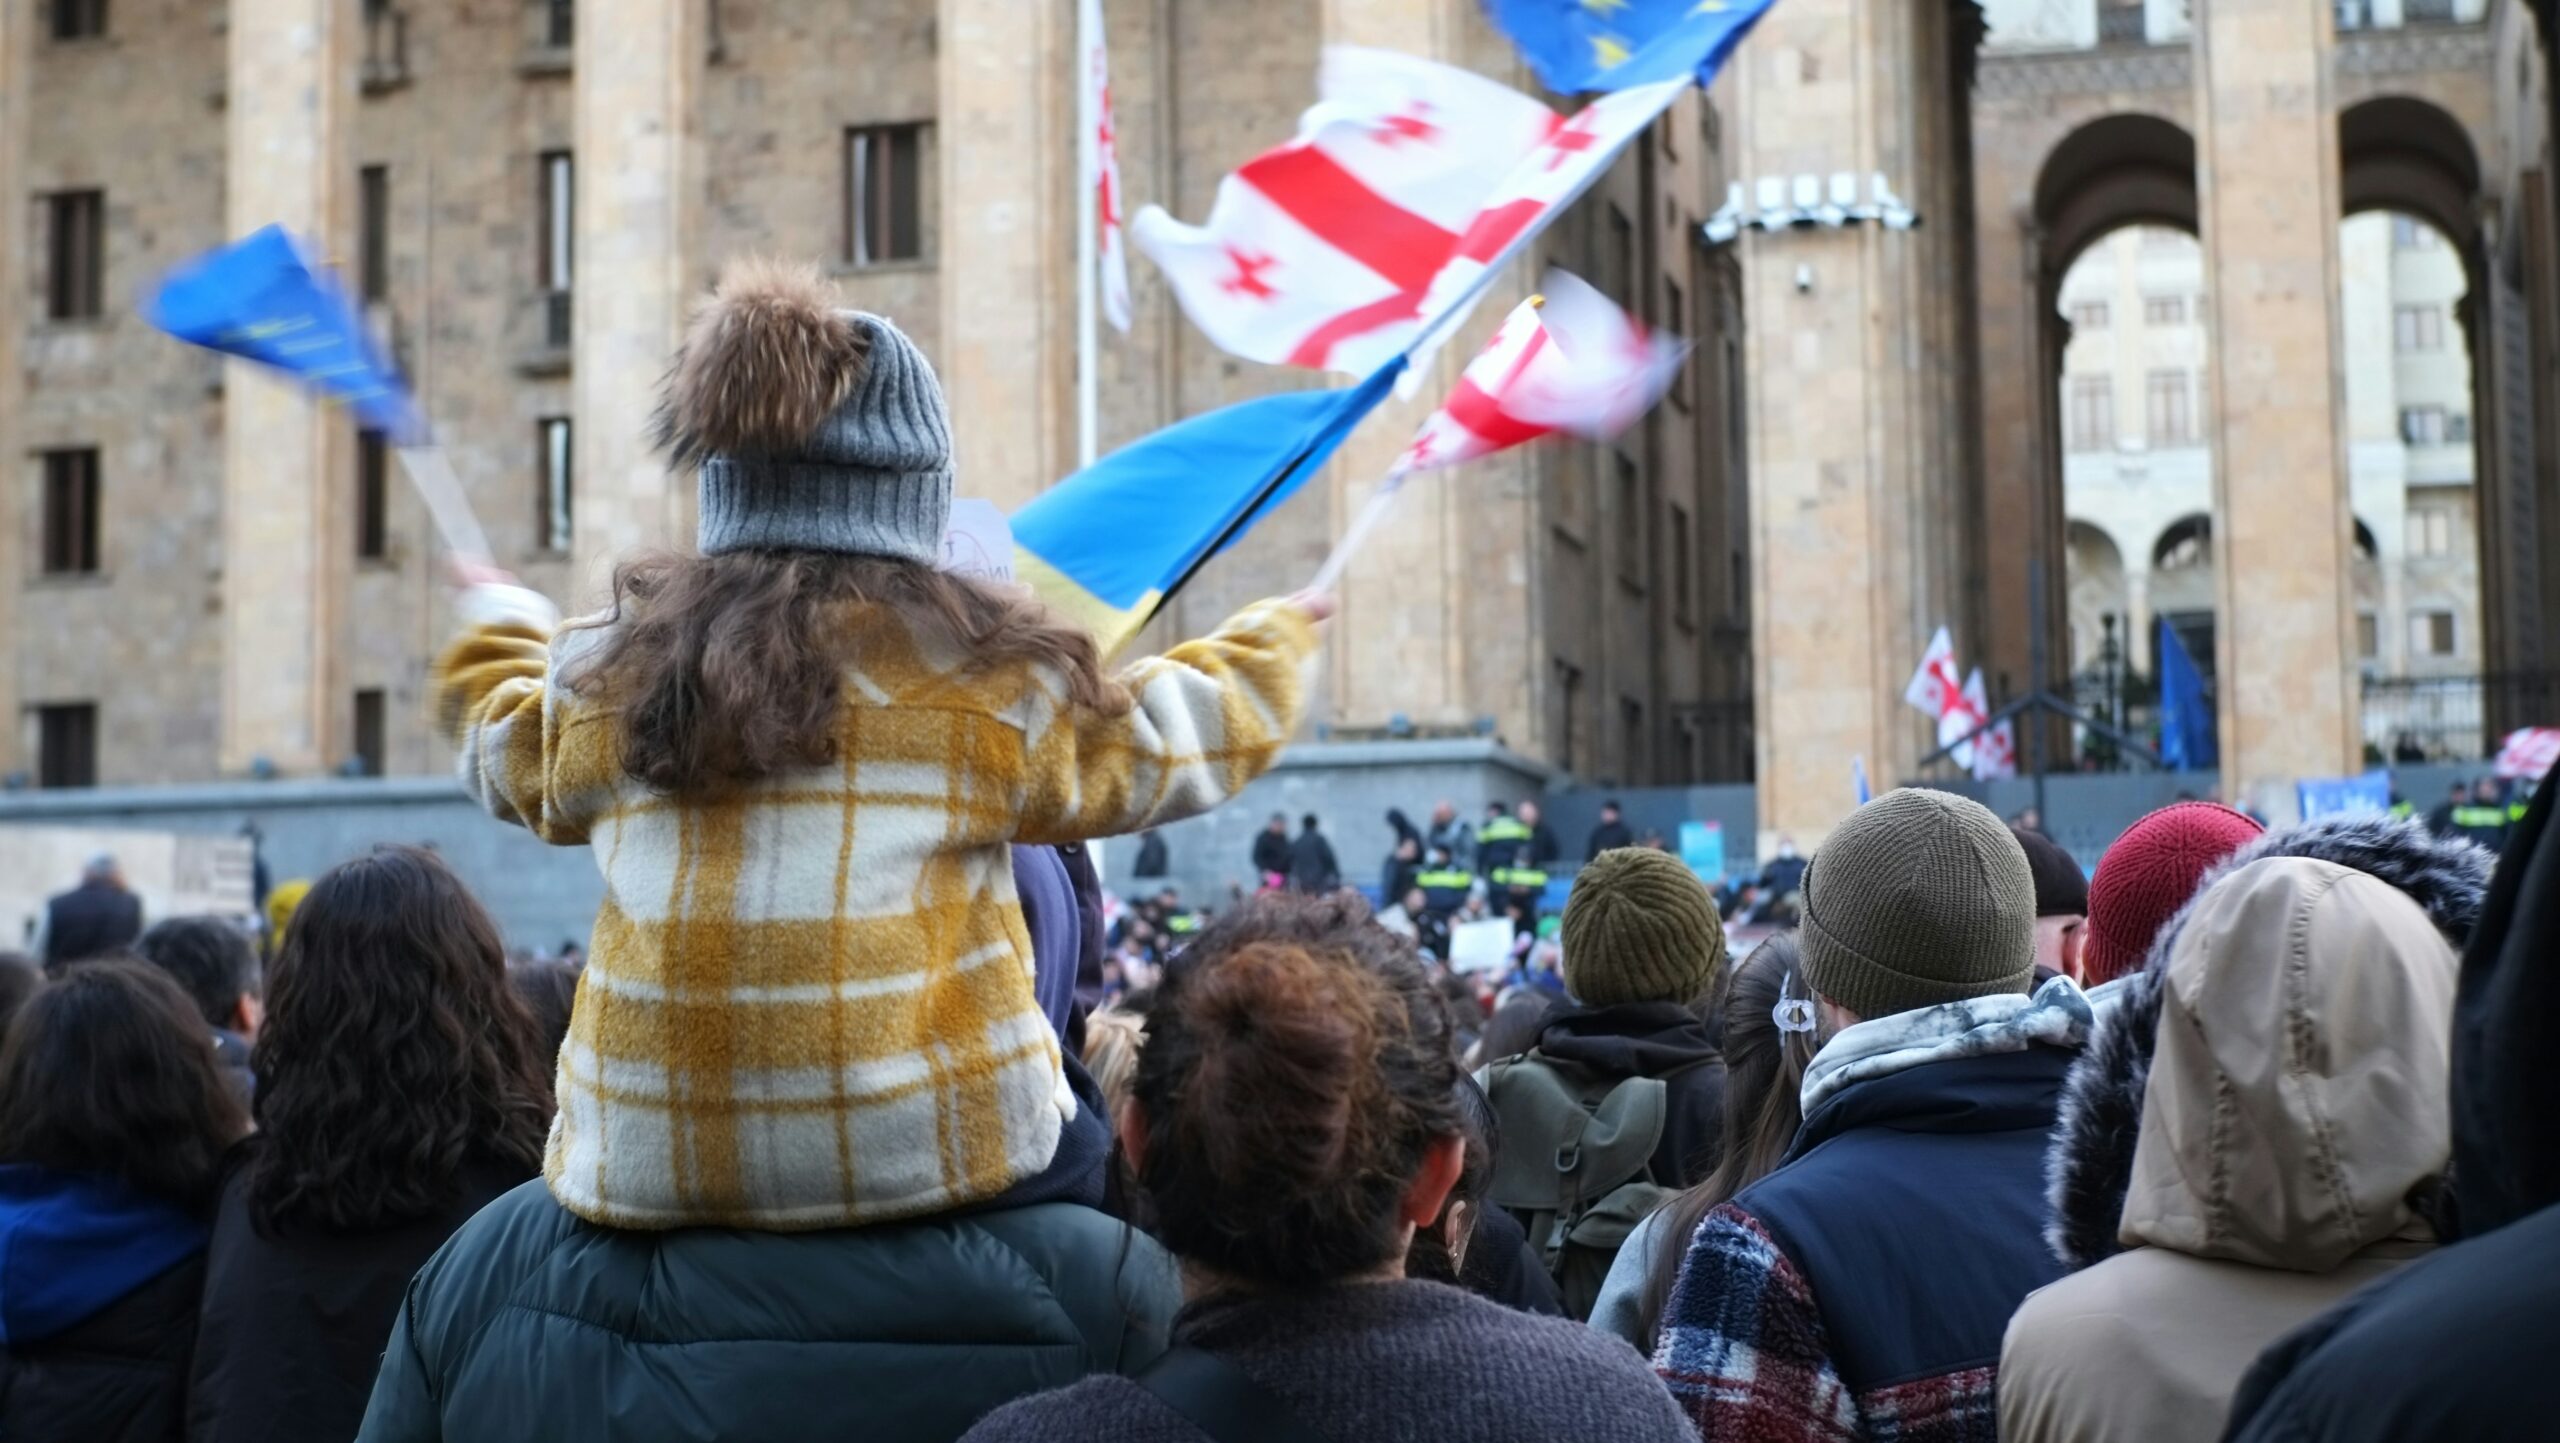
x: 817, y: 429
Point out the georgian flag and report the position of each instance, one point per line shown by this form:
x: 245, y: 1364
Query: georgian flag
x: 1567, y: 361
x: 1572, y: 154
x: 1966, y: 709
x: 1320, y: 253
x: 1102, y: 181
x: 2529, y: 753
x: 1933, y: 687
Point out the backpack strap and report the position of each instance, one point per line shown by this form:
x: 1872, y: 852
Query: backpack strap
x: 1222, y: 1400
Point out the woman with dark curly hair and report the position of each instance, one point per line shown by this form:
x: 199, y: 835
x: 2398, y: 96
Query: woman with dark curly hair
x: 1295, y: 1122
x: 401, y: 1086
x: 113, y: 1119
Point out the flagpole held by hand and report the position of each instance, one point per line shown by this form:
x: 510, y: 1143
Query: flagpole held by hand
x: 437, y: 486
x: 1329, y: 578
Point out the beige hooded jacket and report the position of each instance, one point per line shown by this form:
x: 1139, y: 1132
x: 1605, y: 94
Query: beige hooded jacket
x: 2298, y: 1096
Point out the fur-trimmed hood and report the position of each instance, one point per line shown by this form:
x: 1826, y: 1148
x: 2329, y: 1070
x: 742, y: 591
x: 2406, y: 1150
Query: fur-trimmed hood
x: 2089, y: 1165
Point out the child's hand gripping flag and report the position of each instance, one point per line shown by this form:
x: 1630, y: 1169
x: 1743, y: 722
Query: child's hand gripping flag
x: 1568, y: 361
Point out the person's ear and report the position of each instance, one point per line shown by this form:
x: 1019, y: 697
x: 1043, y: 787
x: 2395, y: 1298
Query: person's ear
x: 2075, y: 950
x: 251, y: 1014
x: 1429, y: 1190
x: 1133, y: 1136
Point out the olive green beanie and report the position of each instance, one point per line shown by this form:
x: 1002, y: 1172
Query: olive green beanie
x: 1919, y: 898
x: 1640, y: 927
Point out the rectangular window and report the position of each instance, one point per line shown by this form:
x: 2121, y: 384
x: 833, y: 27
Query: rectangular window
x: 1620, y: 260
x: 1630, y: 518
x: 2431, y: 531
x: 1632, y: 751
x: 559, y: 23
x: 75, y: 254
x: 373, y: 495
x: 2164, y: 311
x: 1680, y: 561
x: 2169, y: 408
x: 1675, y: 314
x: 2457, y: 428
x: 71, y: 512
x: 2368, y: 636
x: 2422, y: 425
x: 369, y: 739
x: 2431, y: 633
x: 2092, y: 413
x: 2409, y: 233
x: 883, y: 194
x: 67, y: 745
x: 2088, y: 316
x: 373, y: 249
x: 559, y: 198
x: 556, y: 497
x: 2417, y: 328
x: 79, y: 19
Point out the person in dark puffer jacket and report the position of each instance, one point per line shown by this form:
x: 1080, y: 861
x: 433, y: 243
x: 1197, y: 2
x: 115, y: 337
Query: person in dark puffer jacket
x: 113, y: 1119
x: 1295, y: 1119
x: 532, y: 1323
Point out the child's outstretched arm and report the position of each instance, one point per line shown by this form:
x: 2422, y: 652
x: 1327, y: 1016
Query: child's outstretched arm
x: 491, y: 693
x: 1211, y: 715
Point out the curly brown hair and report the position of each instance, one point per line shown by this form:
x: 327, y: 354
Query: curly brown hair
x: 109, y: 1070
x: 1296, y: 1071
x: 722, y: 670
x: 393, y: 1050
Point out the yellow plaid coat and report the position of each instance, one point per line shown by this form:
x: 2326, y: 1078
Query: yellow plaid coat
x: 810, y: 1004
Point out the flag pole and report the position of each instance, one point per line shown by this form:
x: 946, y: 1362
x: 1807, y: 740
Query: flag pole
x: 1088, y: 164
x: 1380, y: 502
x: 432, y: 476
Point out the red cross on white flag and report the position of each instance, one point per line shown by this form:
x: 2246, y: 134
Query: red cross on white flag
x: 1934, y: 687
x: 1319, y: 253
x: 1572, y: 362
x: 1102, y: 184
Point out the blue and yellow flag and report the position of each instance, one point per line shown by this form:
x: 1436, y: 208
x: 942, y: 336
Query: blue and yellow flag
x: 1579, y: 45
x: 1107, y: 545
x: 264, y: 299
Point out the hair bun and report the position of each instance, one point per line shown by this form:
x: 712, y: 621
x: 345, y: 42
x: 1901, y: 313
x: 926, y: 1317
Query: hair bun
x: 765, y: 361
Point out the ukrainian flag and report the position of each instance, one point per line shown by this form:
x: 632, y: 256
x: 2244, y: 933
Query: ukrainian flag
x: 1106, y: 546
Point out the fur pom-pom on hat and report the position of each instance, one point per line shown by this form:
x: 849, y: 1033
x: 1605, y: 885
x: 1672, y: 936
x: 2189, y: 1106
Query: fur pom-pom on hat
x: 765, y: 361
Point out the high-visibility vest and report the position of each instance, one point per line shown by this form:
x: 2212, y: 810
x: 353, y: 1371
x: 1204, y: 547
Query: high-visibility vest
x: 2516, y: 811
x: 2487, y: 819
x: 1445, y: 889
x: 1182, y: 924
x: 2403, y: 810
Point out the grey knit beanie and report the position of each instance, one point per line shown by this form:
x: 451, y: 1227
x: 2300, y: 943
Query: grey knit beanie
x: 1640, y: 927
x: 816, y: 429
x: 1919, y: 898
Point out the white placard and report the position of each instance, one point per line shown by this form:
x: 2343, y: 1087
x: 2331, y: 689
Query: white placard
x: 978, y: 542
x: 1480, y: 946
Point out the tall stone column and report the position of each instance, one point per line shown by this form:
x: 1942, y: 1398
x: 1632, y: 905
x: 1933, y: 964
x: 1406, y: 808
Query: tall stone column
x: 1006, y: 131
x: 17, y: 38
x: 1409, y: 598
x: 1843, y: 434
x: 291, y: 93
x: 634, y: 272
x: 2267, y: 157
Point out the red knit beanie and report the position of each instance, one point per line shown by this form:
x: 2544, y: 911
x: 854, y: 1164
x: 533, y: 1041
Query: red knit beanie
x: 2149, y: 874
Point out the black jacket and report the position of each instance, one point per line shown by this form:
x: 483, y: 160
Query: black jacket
x: 2453, y: 1345
x: 534, y: 1324
x: 1608, y: 837
x: 1270, y: 853
x: 90, y: 920
x: 1153, y: 860
x: 1311, y: 864
x: 98, y: 1289
x: 1653, y: 1039
x: 293, y: 1326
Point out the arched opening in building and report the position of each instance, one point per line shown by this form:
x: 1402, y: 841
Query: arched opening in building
x: 2411, y: 263
x: 2122, y: 350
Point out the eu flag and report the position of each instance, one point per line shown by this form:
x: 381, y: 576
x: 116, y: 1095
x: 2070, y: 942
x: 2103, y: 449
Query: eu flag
x: 264, y: 299
x: 1107, y: 545
x: 1579, y: 45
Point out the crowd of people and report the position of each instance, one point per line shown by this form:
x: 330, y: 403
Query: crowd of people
x: 857, y: 1118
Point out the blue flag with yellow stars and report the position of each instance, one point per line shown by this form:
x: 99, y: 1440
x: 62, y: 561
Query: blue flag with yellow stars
x: 1580, y: 45
x: 266, y: 299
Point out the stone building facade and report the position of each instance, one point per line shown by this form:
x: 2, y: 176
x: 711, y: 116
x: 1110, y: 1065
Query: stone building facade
x: 530, y: 193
